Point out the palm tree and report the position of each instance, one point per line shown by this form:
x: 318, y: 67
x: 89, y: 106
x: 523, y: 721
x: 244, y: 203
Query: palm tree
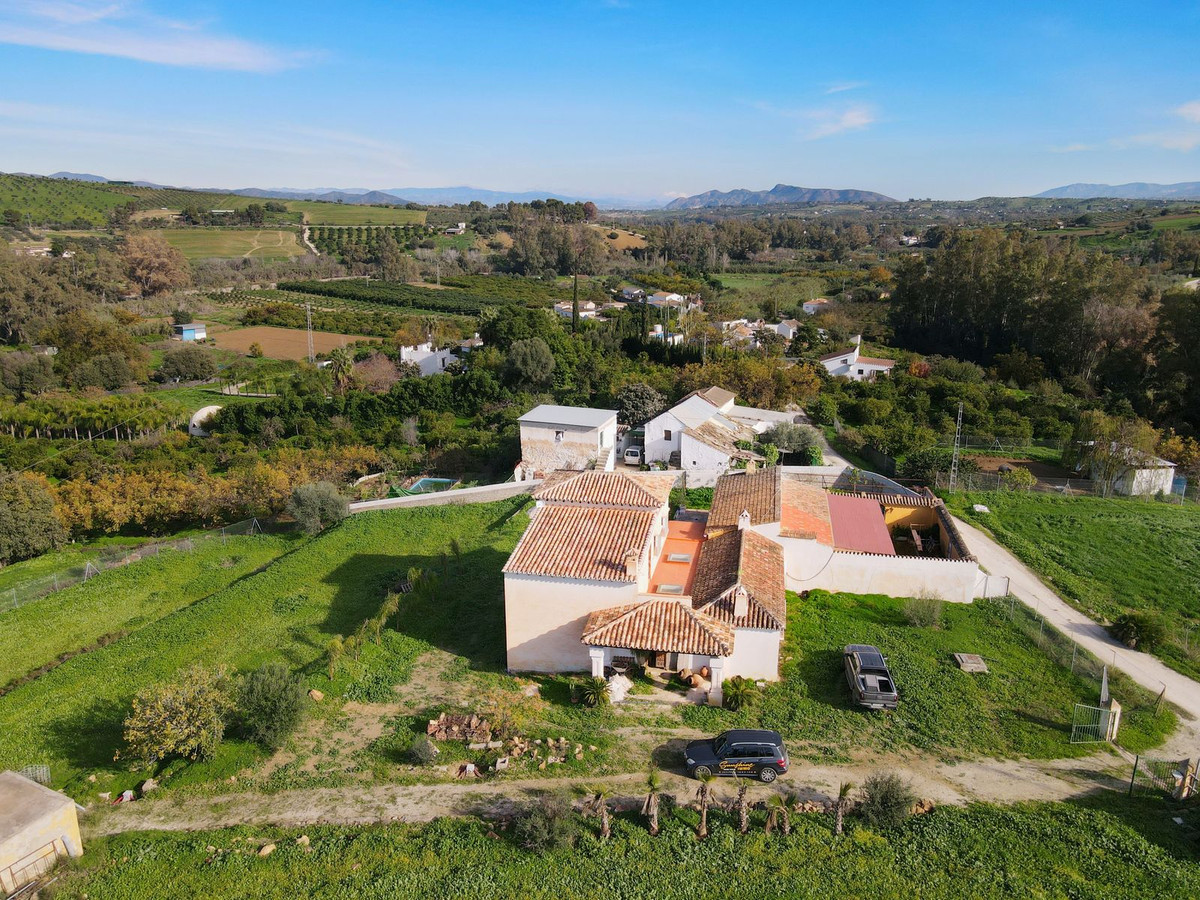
x: 650, y: 806
x: 743, y: 805
x: 341, y: 368
x: 779, y: 812
x: 841, y: 805
x: 598, y: 805
x: 703, y: 794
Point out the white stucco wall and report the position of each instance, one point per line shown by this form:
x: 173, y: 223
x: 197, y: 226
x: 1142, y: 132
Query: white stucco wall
x: 544, y: 619
x: 658, y: 447
x: 579, y: 448
x: 755, y: 654
x: 1144, y: 482
x: 703, y: 464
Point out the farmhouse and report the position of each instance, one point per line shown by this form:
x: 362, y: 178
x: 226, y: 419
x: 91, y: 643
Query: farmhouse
x: 786, y: 329
x: 632, y: 293
x: 460, y: 228
x: 192, y: 331
x: 902, y: 545
x: 587, y: 309
x: 664, y: 299
x: 603, y: 578
x: 566, y: 437
x: 1138, y: 474
x: 852, y: 364
x: 816, y: 305
x: 38, y: 826
x: 426, y: 358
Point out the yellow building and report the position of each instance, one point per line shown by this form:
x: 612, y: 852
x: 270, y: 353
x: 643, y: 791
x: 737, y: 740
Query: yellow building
x: 38, y: 826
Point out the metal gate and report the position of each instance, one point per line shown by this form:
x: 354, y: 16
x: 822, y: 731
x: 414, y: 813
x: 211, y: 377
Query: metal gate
x: 31, y: 867
x: 1089, y: 724
x: 1175, y: 778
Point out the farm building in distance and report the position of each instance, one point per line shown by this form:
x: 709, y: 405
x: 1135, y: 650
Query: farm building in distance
x: 192, y: 331
x: 38, y: 827
x: 1140, y: 474
x: 425, y: 358
x: 566, y: 437
x: 852, y: 364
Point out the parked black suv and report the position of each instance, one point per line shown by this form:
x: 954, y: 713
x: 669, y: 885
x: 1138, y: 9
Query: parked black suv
x: 745, y: 753
x: 871, y: 683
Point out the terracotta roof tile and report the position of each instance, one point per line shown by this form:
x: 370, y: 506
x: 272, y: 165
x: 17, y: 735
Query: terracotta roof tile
x: 805, y: 512
x: 876, y: 361
x: 720, y: 438
x: 582, y: 542
x: 741, y: 559
x: 639, y: 490
x: 661, y: 625
x: 756, y: 492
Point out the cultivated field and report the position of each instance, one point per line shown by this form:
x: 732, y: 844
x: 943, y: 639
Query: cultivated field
x: 1106, y: 557
x: 318, y: 213
x: 259, y: 243
x: 283, y: 343
x: 624, y: 240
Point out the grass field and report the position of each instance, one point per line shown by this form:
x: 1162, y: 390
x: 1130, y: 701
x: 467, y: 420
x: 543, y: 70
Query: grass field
x: 283, y: 343
x: 624, y: 240
x: 232, y: 243
x: 125, y: 599
x: 1105, y: 557
x: 1094, y: 850
x: 1021, y: 708
x: 317, y: 212
x: 70, y: 718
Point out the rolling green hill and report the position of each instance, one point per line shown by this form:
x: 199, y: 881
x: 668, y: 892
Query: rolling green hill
x: 42, y: 201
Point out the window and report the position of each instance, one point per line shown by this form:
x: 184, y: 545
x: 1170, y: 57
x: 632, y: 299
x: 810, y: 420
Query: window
x: 558, y: 436
x: 860, y: 371
x: 679, y: 557
x: 666, y: 434
x: 669, y: 589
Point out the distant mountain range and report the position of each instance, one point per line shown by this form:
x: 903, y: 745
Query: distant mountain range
x: 781, y: 193
x: 1135, y: 190
x: 437, y: 196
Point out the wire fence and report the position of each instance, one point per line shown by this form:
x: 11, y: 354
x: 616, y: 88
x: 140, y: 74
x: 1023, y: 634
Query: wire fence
x: 1064, y: 487
x: 32, y: 589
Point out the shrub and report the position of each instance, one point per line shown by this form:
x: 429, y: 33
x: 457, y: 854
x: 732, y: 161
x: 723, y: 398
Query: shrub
x: 547, y: 824
x: 422, y: 751
x: 594, y: 692
x: 887, y: 800
x: 852, y: 439
x: 255, y: 350
x: 823, y: 410
x: 1019, y: 479
x: 1140, y: 630
x: 270, y: 704
x: 738, y: 692
x: 187, y: 363
x: 924, y: 611
x: 317, y: 505
x: 182, y: 718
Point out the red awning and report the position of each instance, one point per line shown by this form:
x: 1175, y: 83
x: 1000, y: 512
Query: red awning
x: 858, y: 524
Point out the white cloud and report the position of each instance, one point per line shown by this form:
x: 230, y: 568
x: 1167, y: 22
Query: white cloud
x: 127, y: 30
x: 828, y: 122
x: 840, y: 86
x: 1183, y: 141
x: 1189, y: 111
x: 1073, y: 148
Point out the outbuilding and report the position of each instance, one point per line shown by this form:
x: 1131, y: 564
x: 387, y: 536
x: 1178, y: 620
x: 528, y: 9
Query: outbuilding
x: 192, y: 331
x: 38, y: 827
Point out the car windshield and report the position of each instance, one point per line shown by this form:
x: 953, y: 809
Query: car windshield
x: 719, y: 743
x: 871, y: 661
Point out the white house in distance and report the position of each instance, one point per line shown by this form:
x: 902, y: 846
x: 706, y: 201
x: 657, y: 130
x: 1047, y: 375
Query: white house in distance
x: 632, y: 293
x: 786, y: 329
x: 853, y: 365
x: 816, y: 305
x: 1141, y: 474
x: 566, y: 437
x: 427, y: 359
x: 602, y: 578
x: 661, y: 299
x: 587, y: 309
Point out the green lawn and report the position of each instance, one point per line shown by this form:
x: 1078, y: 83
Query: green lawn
x: 1117, y: 849
x: 70, y: 718
x: 1020, y: 708
x: 259, y: 243
x: 317, y: 212
x: 124, y: 599
x: 1105, y: 557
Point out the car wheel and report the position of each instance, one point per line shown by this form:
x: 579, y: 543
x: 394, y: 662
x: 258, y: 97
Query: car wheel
x: 702, y: 772
x: 767, y: 775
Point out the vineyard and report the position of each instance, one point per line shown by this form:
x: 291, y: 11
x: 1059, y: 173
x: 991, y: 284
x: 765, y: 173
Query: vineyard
x: 455, y: 301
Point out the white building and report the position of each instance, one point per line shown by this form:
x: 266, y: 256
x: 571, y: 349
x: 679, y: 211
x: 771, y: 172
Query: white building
x: 38, y: 827
x: 587, y: 309
x: 566, y: 437
x: 853, y: 365
x: 662, y: 299
x: 816, y: 305
x: 602, y: 577
x: 786, y: 329
x: 1141, y: 475
x: 664, y: 432
x: 427, y: 359
x: 632, y: 293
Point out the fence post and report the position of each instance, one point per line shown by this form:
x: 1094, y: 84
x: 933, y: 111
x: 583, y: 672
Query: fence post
x: 1012, y: 607
x: 1136, y: 759
x: 1074, y: 648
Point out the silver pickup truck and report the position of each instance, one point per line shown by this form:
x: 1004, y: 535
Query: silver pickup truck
x: 871, y: 683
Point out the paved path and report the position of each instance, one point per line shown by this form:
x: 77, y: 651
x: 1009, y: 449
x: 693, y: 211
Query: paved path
x: 484, y: 493
x: 1141, y: 667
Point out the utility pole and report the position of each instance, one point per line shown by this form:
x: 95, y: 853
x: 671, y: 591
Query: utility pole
x: 957, y: 441
x: 312, y: 356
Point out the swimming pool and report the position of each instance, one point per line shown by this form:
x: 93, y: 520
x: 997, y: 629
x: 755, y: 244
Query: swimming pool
x: 430, y: 485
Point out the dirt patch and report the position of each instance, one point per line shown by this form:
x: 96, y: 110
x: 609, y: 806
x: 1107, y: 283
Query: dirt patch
x: 992, y: 464
x: 283, y: 343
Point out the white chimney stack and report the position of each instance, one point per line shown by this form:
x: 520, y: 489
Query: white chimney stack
x: 744, y: 520
x: 741, y: 602
x: 631, y: 563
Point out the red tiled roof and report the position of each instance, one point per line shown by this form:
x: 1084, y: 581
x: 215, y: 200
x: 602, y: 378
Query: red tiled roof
x: 581, y: 542
x: 662, y: 625
x: 859, y: 524
x: 756, y: 492
x: 742, y: 559
x: 876, y: 361
x: 595, y: 488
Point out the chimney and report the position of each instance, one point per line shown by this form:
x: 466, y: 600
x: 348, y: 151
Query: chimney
x: 741, y: 602
x: 631, y: 563
x: 744, y: 520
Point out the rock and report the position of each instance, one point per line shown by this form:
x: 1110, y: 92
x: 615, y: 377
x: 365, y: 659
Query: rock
x: 92, y: 779
x: 316, y: 696
x: 502, y: 764
x: 579, y: 756
x: 494, y: 745
x: 210, y: 849
x: 542, y: 765
x: 106, y: 795
x: 266, y: 850
x: 303, y: 840
x: 532, y: 690
x: 147, y: 786
x: 477, y: 745
x: 126, y: 796
x: 592, y: 747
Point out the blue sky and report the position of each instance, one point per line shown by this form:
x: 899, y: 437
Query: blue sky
x: 620, y: 98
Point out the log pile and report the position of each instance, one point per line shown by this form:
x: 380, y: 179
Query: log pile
x: 455, y: 727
